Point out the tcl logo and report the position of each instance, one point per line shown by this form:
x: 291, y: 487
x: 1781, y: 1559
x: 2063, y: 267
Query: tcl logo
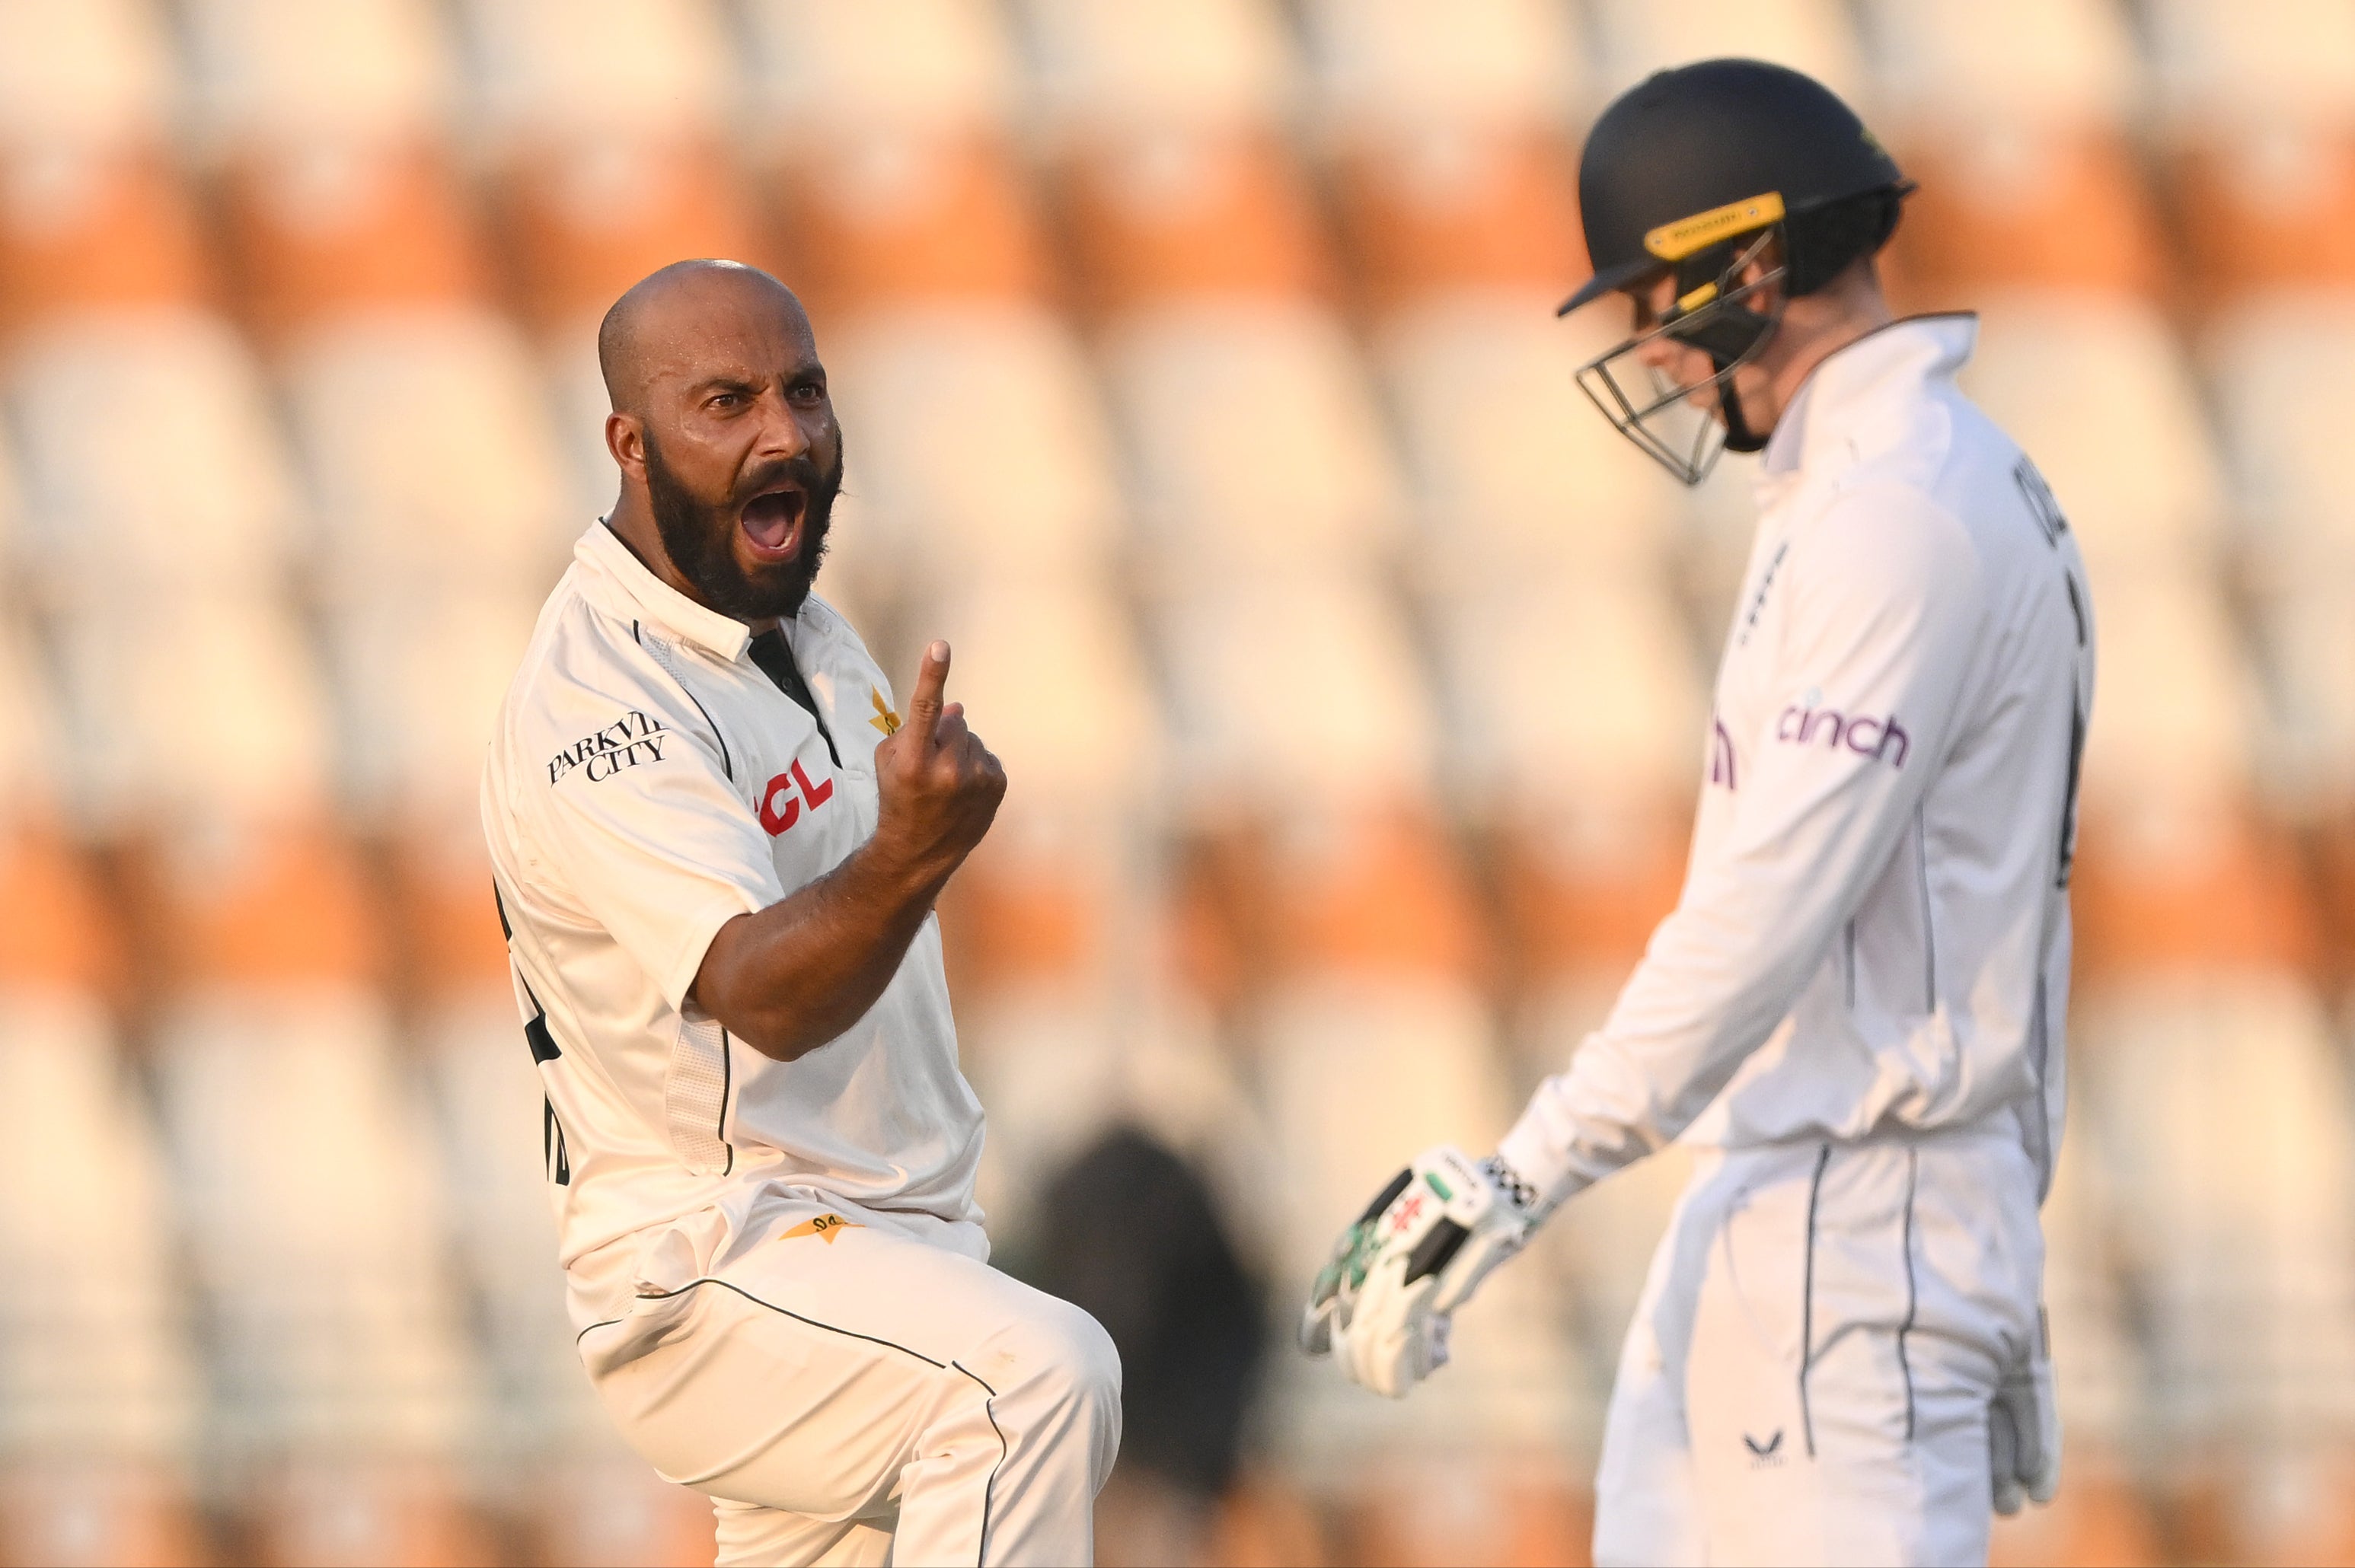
x: 1884, y: 740
x: 782, y: 801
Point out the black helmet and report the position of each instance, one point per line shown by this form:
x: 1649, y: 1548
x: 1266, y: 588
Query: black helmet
x: 1698, y: 173
x: 1692, y: 157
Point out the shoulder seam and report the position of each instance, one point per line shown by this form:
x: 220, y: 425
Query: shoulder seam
x: 727, y: 763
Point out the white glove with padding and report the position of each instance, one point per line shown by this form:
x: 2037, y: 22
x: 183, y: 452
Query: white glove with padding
x: 2024, y: 1430
x: 1381, y: 1306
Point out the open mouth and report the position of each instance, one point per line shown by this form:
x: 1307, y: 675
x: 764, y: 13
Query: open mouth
x: 771, y: 522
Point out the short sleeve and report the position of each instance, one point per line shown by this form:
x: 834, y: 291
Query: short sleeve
x: 645, y: 829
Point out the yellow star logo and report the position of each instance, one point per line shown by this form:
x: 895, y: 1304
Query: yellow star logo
x: 885, y: 719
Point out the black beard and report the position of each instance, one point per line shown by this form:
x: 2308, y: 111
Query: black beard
x: 701, y: 536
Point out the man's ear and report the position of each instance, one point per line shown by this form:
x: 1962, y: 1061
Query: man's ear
x: 625, y: 438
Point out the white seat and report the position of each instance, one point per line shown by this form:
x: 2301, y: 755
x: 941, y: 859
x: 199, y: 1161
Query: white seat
x: 199, y: 707
x: 977, y: 442
x: 1189, y: 60
x: 150, y: 456
x: 1381, y: 61
x: 311, y: 1204
x: 2271, y: 363
x: 915, y: 61
x: 2176, y: 702
x: 567, y: 70
x: 1052, y: 673
x: 281, y: 69
x: 2078, y: 381
x: 1515, y: 469
x: 1256, y: 446
x: 94, y: 1353
x: 489, y: 1106
x: 427, y: 442
x: 1575, y: 702
x: 2239, y: 64
x: 1640, y: 37
x: 1302, y: 693
x: 97, y: 71
x: 1965, y: 63
x: 2225, y: 1119
x: 418, y: 680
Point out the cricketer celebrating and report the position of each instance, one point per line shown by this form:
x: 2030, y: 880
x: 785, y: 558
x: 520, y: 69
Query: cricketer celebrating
x: 1854, y: 1013
x: 717, y: 848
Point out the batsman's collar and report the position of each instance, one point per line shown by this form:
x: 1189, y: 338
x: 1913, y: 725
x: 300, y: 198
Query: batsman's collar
x: 1873, y: 373
x: 622, y: 584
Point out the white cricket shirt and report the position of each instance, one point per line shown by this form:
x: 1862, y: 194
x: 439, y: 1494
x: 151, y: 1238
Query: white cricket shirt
x: 649, y: 782
x: 1873, y: 933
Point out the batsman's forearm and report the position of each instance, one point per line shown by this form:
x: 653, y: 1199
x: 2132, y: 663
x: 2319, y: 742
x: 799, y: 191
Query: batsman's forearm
x: 802, y: 972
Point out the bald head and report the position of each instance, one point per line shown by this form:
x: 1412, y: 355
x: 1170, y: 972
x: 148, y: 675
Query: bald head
x: 668, y: 321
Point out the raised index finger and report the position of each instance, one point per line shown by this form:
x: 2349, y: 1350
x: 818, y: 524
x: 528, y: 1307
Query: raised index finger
x: 932, y: 685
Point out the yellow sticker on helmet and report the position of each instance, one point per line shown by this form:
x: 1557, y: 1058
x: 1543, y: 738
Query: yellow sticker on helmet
x: 1674, y: 241
x: 1697, y: 299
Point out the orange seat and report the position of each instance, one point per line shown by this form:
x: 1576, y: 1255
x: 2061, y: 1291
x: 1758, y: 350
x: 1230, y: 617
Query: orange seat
x: 88, y: 225
x: 57, y: 929
x: 1010, y: 918
x: 592, y: 1511
x: 1369, y: 889
x: 2274, y: 208
x: 257, y: 904
x: 71, y: 1512
x: 320, y: 229
x: 1436, y: 207
x: 351, y: 1513
x: 2022, y: 203
x: 584, y: 219
x: 871, y: 216
x: 2235, y: 898
x: 445, y: 935
x: 1570, y: 916
x: 1514, y: 1522
x: 1157, y: 211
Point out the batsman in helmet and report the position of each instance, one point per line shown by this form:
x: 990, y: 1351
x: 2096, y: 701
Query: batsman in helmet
x: 1854, y: 1013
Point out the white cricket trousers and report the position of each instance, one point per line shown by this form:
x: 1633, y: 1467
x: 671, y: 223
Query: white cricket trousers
x: 1808, y: 1375
x: 851, y: 1395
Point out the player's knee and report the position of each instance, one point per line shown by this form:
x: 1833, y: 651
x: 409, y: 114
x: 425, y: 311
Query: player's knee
x: 1068, y: 1354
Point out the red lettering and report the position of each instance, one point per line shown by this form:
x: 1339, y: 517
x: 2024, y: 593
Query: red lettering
x: 777, y: 817
x: 772, y: 818
x: 817, y: 795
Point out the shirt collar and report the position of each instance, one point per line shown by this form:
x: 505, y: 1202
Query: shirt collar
x: 617, y: 577
x: 1884, y: 365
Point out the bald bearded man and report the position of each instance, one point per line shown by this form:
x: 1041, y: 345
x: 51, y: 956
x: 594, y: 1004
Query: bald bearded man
x: 717, y: 849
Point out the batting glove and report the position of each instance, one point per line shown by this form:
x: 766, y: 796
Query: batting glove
x: 1383, y: 1307
x: 2024, y: 1431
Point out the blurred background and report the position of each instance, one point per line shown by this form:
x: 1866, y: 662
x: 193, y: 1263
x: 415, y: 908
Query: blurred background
x: 1200, y: 379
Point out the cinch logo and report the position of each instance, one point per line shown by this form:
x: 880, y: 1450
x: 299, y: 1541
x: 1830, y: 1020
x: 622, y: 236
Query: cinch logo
x: 780, y: 802
x: 1864, y: 736
x: 626, y: 742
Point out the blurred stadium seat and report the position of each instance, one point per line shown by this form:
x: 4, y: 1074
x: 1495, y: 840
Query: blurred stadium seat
x: 1256, y: 446
x: 606, y: 120
x: 1451, y: 149
x: 2258, y: 124
x: 151, y: 458
x: 887, y: 151
x: 1639, y: 36
x: 1200, y: 385
x: 1165, y: 124
x: 2028, y: 173
x: 94, y: 209
x: 338, y: 184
